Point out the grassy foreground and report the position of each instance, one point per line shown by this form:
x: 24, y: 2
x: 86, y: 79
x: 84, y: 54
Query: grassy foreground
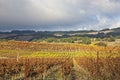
x: 58, y: 61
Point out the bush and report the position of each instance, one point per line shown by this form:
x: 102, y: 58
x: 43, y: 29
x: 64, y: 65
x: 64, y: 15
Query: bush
x: 101, y: 44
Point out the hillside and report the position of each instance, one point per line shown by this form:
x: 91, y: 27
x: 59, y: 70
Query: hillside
x: 28, y: 35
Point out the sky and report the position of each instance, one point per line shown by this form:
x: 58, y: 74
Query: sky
x: 59, y: 15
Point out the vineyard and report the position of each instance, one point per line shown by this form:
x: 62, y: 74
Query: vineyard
x: 20, y: 60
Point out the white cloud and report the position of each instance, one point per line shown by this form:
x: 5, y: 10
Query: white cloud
x: 60, y: 14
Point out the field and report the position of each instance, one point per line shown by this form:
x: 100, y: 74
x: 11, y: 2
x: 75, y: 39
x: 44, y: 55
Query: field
x: 20, y: 60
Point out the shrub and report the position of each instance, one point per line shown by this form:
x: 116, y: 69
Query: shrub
x: 101, y: 44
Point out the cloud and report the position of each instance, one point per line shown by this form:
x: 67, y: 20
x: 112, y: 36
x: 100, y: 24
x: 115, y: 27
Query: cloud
x: 59, y: 14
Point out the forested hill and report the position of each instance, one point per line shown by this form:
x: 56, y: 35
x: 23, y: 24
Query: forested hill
x: 28, y: 35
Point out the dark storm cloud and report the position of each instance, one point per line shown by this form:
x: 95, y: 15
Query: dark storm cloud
x: 59, y: 14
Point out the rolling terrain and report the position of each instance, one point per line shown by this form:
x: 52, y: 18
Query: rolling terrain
x: 60, y: 55
x: 28, y: 35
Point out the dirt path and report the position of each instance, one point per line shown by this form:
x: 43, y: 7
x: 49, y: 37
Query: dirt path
x: 80, y: 72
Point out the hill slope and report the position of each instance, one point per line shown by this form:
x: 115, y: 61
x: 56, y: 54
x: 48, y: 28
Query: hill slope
x: 28, y: 35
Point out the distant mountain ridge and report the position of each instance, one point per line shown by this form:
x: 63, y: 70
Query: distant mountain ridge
x: 29, y: 35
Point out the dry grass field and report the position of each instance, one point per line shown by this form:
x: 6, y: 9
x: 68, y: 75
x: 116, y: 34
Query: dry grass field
x: 20, y: 60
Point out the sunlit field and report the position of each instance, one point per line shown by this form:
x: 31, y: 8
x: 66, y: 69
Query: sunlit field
x: 20, y: 60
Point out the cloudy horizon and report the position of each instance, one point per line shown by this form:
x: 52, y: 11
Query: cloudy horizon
x: 59, y: 15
